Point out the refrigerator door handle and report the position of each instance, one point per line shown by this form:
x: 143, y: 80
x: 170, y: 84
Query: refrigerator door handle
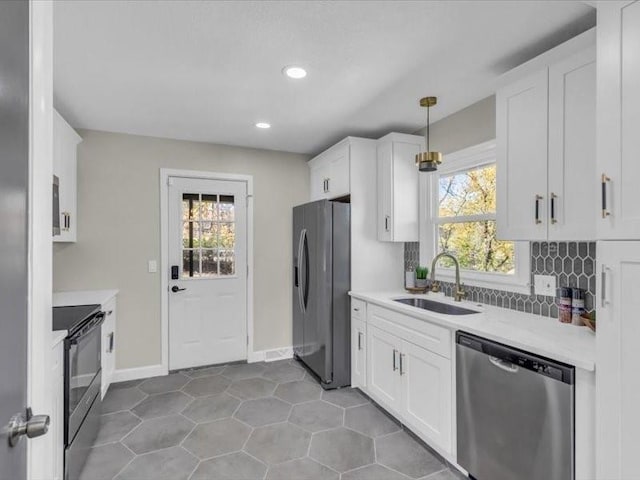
x: 305, y: 251
x: 303, y: 234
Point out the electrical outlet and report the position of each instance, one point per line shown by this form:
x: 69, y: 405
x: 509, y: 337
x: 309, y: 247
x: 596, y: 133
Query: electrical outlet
x: 153, y: 266
x: 544, y: 285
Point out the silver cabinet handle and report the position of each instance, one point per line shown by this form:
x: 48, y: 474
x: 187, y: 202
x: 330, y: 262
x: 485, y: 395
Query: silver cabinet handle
x: 604, y: 179
x: 359, y: 340
x: 604, y: 286
x: 538, y: 198
x: 110, y: 342
x: 402, y: 364
x: 328, y: 184
x: 394, y: 359
x: 553, y: 208
x: 386, y: 223
x: 356, y: 309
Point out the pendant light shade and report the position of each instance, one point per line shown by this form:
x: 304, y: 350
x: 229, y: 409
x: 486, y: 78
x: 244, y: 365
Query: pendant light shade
x: 428, y: 161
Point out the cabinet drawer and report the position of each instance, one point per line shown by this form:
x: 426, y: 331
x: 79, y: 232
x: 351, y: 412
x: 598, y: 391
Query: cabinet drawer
x: 358, y: 309
x: 432, y: 337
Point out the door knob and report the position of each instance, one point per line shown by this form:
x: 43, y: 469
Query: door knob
x: 175, y: 289
x: 32, y: 426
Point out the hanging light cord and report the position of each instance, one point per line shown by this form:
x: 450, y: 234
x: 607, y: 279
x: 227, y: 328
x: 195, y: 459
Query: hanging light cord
x: 428, y: 149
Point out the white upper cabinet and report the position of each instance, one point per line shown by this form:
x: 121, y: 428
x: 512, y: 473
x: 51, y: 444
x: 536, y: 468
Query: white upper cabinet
x: 545, y: 134
x: 398, y: 187
x: 521, y: 174
x: 65, y: 144
x: 572, y: 146
x: 618, y: 167
x: 330, y: 173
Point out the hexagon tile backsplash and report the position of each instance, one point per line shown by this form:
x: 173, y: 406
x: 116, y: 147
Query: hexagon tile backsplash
x: 572, y: 263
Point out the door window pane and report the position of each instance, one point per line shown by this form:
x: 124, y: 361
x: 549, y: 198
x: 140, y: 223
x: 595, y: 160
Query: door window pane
x: 227, y: 208
x: 191, y: 263
x: 209, y: 262
x: 208, y: 235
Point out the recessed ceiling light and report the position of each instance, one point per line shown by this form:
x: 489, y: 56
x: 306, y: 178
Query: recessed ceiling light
x: 295, y: 72
x: 263, y: 125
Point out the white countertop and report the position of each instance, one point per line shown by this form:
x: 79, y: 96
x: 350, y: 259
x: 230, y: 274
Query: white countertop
x: 57, y: 336
x: 540, y: 335
x: 83, y: 297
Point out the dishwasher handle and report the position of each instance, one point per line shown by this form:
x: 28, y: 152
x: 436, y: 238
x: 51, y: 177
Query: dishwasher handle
x: 504, y: 365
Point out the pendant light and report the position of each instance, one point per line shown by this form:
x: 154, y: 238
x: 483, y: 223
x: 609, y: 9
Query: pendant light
x: 428, y: 161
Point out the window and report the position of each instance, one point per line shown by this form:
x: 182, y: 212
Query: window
x: 462, y: 221
x: 208, y: 235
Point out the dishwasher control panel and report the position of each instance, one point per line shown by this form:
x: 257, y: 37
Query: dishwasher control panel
x: 517, y: 358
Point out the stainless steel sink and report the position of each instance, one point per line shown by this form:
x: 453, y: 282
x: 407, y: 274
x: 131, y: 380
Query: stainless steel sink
x: 437, y: 307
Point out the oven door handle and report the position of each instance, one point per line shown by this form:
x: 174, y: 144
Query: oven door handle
x: 97, y: 321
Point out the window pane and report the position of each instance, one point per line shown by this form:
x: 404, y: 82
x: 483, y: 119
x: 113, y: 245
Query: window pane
x: 209, y: 263
x: 475, y: 246
x: 190, y: 263
x: 472, y: 192
x: 209, y: 207
x: 190, y: 206
x: 227, y: 262
x: 209, y: 237
x: 190, y: 235
x: 227, y: 234
x: 227, y: 208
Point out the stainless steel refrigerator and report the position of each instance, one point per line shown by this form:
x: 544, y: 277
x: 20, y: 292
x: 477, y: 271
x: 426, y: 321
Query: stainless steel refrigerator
x: 321, y: 282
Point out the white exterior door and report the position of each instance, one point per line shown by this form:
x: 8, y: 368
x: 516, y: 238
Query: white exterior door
x: 207, y: 272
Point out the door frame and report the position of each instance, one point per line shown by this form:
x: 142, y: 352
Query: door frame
x: 165, y: 174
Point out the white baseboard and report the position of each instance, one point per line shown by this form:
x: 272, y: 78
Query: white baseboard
x: 136, y: 373
x: 272, y: 355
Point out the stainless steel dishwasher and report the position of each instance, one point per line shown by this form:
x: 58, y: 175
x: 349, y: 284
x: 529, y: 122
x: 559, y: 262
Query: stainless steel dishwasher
x: 515, y: 413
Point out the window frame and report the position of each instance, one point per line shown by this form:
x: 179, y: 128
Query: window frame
x: 466, y: 159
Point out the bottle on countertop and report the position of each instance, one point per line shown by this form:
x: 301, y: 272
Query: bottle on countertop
x: 577, y: 306
x: 565, y: 300
x: 409, y: 279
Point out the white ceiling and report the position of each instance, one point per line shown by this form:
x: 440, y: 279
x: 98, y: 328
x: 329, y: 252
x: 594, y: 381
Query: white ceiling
x: 207, y: 71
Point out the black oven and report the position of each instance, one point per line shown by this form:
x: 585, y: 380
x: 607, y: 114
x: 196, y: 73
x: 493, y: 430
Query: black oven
x: 83, y: 380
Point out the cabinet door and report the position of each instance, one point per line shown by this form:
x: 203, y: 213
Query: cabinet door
x: 339, y: 172
x: 521, y: 137
x: 405, y: 192
x: 572, y: 148
x: 619, y: 119
x: 385, y: 199
x: 108, y: 344
x: 426, y: 394
x: 319, y: 173
x: 617, y: 379
x: 383, y: 374
x: 358, y: 353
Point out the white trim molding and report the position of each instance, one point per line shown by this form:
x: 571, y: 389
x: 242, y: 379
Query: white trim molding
x: 282, y: 353
x: 165, y: 174
x: 465, y: 159
x: 137, y: 373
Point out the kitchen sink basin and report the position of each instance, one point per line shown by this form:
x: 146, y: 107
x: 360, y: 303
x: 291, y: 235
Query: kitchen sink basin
x: 437, y: 307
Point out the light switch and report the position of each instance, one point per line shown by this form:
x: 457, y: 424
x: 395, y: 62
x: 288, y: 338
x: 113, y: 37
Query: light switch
x: 153, y: 266
x: 544, y: 285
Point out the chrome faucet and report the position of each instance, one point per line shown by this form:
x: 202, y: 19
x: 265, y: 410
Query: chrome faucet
x: 459, y: 293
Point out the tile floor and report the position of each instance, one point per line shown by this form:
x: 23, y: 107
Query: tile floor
x: 251, y: 422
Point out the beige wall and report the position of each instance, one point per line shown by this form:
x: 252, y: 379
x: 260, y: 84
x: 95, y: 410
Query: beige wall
x: 470, y: 126
x: 119, y: 231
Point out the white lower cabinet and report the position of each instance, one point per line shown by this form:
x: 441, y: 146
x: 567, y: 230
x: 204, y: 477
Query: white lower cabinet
x: 407, y: 378
x: 56, y: 428
x: 426, y: 400
x: 108, y: 360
